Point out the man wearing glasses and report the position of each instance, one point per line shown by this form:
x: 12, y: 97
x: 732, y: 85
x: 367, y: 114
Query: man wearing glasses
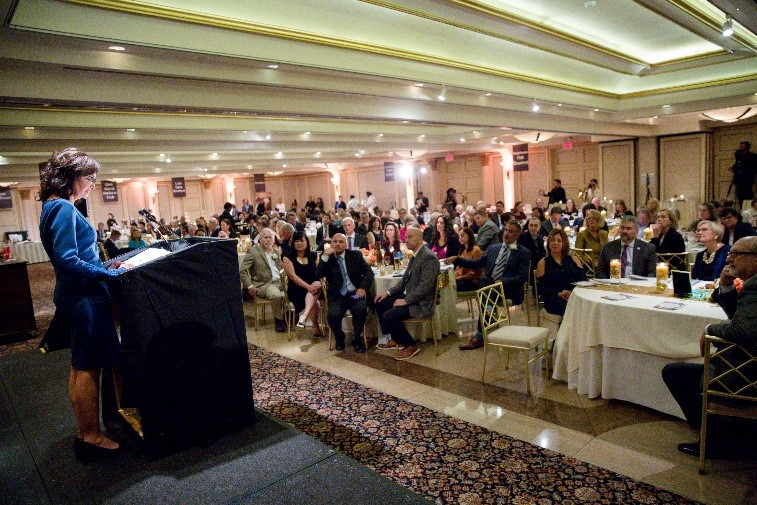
x: 685, y: 379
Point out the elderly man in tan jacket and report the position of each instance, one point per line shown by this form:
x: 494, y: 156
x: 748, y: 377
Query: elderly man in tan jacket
x: 261, y: 274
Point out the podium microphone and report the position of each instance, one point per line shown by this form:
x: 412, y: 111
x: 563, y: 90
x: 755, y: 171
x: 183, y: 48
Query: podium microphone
x: 164, y: 232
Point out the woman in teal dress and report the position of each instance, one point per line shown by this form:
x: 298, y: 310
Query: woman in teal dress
x: 81, y: 292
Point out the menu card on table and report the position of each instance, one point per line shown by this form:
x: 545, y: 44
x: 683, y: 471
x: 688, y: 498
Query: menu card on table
x: 670, y: 305
x: 617, y: 297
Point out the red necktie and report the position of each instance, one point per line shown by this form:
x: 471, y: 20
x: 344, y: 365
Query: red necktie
x: 623, y: 261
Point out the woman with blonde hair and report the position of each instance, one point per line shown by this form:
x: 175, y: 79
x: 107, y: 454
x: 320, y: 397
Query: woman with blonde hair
x: 593, y: 237
x: 710, y: 262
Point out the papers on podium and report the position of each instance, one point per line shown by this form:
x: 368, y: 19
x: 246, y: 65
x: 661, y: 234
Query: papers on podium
x: 146, y: 256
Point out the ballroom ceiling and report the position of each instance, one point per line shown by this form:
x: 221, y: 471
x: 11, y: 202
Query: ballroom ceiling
x: 234, y: 86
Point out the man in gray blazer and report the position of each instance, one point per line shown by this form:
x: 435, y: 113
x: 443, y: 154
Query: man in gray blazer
x: 685, y: 379
x: 488, y: 231
x: 636, y: 257
x: 413, y: 297
x: 261, y: 276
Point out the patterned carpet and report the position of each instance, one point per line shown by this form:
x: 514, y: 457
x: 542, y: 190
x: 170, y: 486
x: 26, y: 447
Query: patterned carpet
x: 437, y: 456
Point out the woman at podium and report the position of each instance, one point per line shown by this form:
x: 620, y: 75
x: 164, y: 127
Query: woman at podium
x: 81, y: 292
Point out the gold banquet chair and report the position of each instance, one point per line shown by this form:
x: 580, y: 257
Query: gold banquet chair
x: 442, y: 281
x: 325, y: 312
x: 470, y: 298
x: 541, y: 312
x: 735, y: 382
x: 682, y: 260
x: 586, y: 256
x: 495, y: 325
x: 289, y: 312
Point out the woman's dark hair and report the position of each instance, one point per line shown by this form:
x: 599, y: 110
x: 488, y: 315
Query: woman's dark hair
x: 471, y: 239
x: 564, y: 237
x: 300, y: 235
x: 373, y: 220
x: 448, y: 230
x: 622, y: 203
x: 506, y: 217
x: 61, y: 171
x: 537, y: 210
x: 729, y: 211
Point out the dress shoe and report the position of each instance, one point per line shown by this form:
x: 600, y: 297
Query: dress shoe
x: 714, y: 449
x: 359, y: 345
x: 391, y: 344
x: 279, y: 326
x: 407, y: 353
x: 471, y: 344
x: 89, y: 453
x: 340, y: 346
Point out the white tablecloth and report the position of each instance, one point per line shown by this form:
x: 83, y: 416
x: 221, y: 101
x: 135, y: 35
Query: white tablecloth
x: 617, y: 349
x: 31, y: 252
x: 445, y: 316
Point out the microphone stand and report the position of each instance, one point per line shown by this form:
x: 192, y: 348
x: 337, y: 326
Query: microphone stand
x: 165, y: 233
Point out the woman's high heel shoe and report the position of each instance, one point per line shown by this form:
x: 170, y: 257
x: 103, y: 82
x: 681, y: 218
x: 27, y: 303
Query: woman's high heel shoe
x: 89, y: 453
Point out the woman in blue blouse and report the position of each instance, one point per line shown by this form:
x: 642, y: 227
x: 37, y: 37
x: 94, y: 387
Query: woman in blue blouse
x: 557, y: 272
x: 135, y: 239
x: 81, y: 293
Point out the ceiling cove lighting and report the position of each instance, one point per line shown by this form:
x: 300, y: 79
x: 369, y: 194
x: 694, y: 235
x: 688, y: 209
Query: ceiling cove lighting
x: 728, y: 27
x: 117, y: 48
x: 272, y: 66
x: 442, y: 96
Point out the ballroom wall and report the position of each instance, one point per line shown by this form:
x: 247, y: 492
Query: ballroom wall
x: 695, y: 165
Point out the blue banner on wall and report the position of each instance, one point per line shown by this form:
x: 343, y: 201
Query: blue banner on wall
x: 388, y: 171
x: 179, y: 186
x: 6, y: 200
x: 520, y: 157
x: 110, y: 191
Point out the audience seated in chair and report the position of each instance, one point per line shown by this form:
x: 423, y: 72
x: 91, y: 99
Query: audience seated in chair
x: 261, y: 276
x: 685, y: 379
x: 557, y: 272
x: 349, y: 280
x: 110, y: 244
x: 411, y: 298
x: 667, y: 240
x: 507, y: 262
x: 636, y: 257
x: 710, y: 263
x: 304, y: 285
x: 468, y: 279
x: 533, y: 240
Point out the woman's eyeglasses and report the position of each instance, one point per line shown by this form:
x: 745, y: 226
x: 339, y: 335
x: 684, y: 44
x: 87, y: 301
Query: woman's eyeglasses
x: 91, y: 178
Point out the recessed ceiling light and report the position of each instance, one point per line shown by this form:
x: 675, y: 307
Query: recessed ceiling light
x: 162, y: 154
x: 318, y: 153
x: 28, y: 127
x: 559, y: 105
x: 244, y: 131
x: 214, y: 154
x: 131, y: 129
x: 249, y: 166
x: 666, y: 106
x: 381, y: 134
x: 654, y: 117
x: 442, y: 96
x: 423, y: 136
x: 596, y: 110
x: 307, y: 133
x: 245, y: 173
x: 284, y: 165
x: 357, y: 155
x: 487, y: 94
x: 279, y: 153
x: 475, y: 133
x: 272, y: 66
x: 268, y: 137
x: 418, y: 84
x: 535, y: 107
x: 168, y: 160
x: 117, y: 48
x: 462, y: 139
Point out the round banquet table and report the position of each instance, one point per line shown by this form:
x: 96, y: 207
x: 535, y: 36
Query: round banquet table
x: 617, y: 349
x: 31, y: 252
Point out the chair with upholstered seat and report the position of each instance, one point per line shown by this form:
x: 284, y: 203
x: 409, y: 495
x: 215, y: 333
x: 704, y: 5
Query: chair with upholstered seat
x: 498, y: 332
x: 442, y: 281
x: 678, y: 260
x: 735, y: 383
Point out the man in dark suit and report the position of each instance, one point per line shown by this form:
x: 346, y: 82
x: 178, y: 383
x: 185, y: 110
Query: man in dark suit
x: 349, y: 279
x: 327, y: 229
x: 685, y: 379
x: 354, y: 240
x: 413, y: 297
x: 509, y: 263
x: 533, y: 240
x: 110, y: 244
x: 636, y: 257
x: 555, y: 221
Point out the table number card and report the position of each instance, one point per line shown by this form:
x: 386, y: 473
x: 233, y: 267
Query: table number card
x: 618, y: 297
x: 670, y: 305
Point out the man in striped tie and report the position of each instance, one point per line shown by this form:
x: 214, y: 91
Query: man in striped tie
x: 507, y: 262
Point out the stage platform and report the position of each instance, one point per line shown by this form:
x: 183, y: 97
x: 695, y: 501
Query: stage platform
x: 268, y: 462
